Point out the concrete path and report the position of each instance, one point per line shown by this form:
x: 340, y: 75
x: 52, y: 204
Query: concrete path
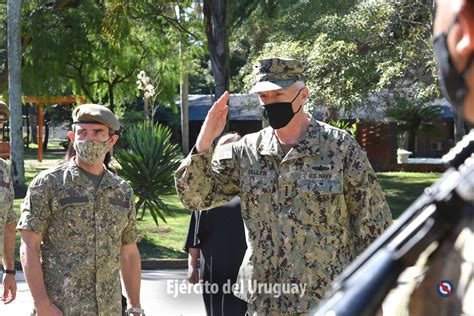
x: 160, y: 295
x: 165, y: 292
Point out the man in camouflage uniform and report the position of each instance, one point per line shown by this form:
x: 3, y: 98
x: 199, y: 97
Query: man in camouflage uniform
x: 80, y: 219
x: 310, y: 199
x: 452, y: 260
x: 7, y: 224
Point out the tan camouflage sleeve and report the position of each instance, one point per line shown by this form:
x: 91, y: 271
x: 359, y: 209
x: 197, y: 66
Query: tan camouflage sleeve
x: 365, y: 200
x: 7, y: 194
x: 203, y: 182
x: 35, y: 209
x: 130, y: 233
x: 11, y: 216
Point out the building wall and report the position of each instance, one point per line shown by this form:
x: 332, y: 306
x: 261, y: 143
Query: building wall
x: 379, y: 140
x: 241, y: 127
x: 435, y: 142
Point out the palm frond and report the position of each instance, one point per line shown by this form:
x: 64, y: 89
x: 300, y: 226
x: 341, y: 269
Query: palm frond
x: 148, y: 164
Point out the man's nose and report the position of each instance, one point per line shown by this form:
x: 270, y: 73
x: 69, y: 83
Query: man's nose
x: 89, y: 137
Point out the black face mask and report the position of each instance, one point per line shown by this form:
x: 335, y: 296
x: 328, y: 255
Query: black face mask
x: 453, y: 84
x: 279, y: 114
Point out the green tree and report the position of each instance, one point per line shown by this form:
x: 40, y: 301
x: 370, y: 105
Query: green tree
x: 414, y: 116
x: 95, y: 48
x: 351, y: 48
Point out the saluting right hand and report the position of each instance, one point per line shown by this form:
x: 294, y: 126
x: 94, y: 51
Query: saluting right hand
x: 214, y: 123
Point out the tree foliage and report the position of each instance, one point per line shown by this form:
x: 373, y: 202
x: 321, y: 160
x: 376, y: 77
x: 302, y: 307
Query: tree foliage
x: 351, y: 48
x: 96, y: 48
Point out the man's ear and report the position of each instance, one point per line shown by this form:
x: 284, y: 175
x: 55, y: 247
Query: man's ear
x: 465, y: 46
x: 113, y: 139
x: 70, y: 134
x: 305, y: 93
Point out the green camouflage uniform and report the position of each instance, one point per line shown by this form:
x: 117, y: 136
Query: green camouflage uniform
x: 83, y: 231
x: 7, y: 195
x: 308, y: 213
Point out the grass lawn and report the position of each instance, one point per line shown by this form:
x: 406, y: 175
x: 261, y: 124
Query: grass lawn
x: 167, y: 239
x: 402, y: 188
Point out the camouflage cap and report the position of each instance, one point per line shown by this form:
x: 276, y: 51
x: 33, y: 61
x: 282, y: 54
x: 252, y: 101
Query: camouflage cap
x: 276, y: 73
x: 95, y: 114
x: 4, y: 109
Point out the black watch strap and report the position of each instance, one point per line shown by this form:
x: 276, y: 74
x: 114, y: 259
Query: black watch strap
x: 9, y: 271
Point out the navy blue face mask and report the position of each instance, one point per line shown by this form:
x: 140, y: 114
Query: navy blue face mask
x: 279, y: 114
x: 452, y: 83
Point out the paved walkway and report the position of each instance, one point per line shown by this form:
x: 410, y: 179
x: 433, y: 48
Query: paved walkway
x: 158, y: 296
x: 165, y: 292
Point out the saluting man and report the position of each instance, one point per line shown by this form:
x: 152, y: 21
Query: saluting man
x: 310, y: 199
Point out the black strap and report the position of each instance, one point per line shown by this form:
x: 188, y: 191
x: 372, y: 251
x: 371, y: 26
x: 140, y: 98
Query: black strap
x: 9, y: 271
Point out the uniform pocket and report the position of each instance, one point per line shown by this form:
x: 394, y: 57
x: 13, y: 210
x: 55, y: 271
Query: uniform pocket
x: 78, y: 215
x: 257, y: 184
x: 318, y: 201
x: 118, y: 210
x: 256, y: 193
x: 121, y: 205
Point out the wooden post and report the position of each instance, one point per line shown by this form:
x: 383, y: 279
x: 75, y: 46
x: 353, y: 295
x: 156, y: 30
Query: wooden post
x: 40, y: 131
x: 41, y: 102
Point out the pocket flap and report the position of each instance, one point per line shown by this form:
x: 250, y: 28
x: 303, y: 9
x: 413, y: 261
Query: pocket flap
x: 73, y: 200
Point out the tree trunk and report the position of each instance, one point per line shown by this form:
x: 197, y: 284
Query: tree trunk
x: 34, y: 123
x: 46, y: 136
x: 111, y: 98
x: 215, y: 19
x: 184, y: 96
x: 184, y: 88
x: 459, y: 129
x: 28, y: 126
x: 14, y: 87
x: 184, y: 110
x: 412, y: 142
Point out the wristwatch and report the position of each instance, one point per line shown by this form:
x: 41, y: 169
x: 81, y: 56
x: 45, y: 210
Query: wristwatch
x: 9, y: 271
x: 136, y: 310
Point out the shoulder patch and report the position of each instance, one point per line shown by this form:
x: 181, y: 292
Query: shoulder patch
x: 223, y: 152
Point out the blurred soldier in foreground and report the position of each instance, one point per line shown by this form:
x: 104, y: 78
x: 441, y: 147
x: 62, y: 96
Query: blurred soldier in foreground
x: 436, y: 233
x: 453, y: 261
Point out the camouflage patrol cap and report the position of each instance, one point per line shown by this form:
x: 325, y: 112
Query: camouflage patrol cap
x: 95, y: 114
x: 276, y: 73
x: 4, y: 109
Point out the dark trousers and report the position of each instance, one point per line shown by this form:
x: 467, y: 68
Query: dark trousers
x: 220, y: 304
